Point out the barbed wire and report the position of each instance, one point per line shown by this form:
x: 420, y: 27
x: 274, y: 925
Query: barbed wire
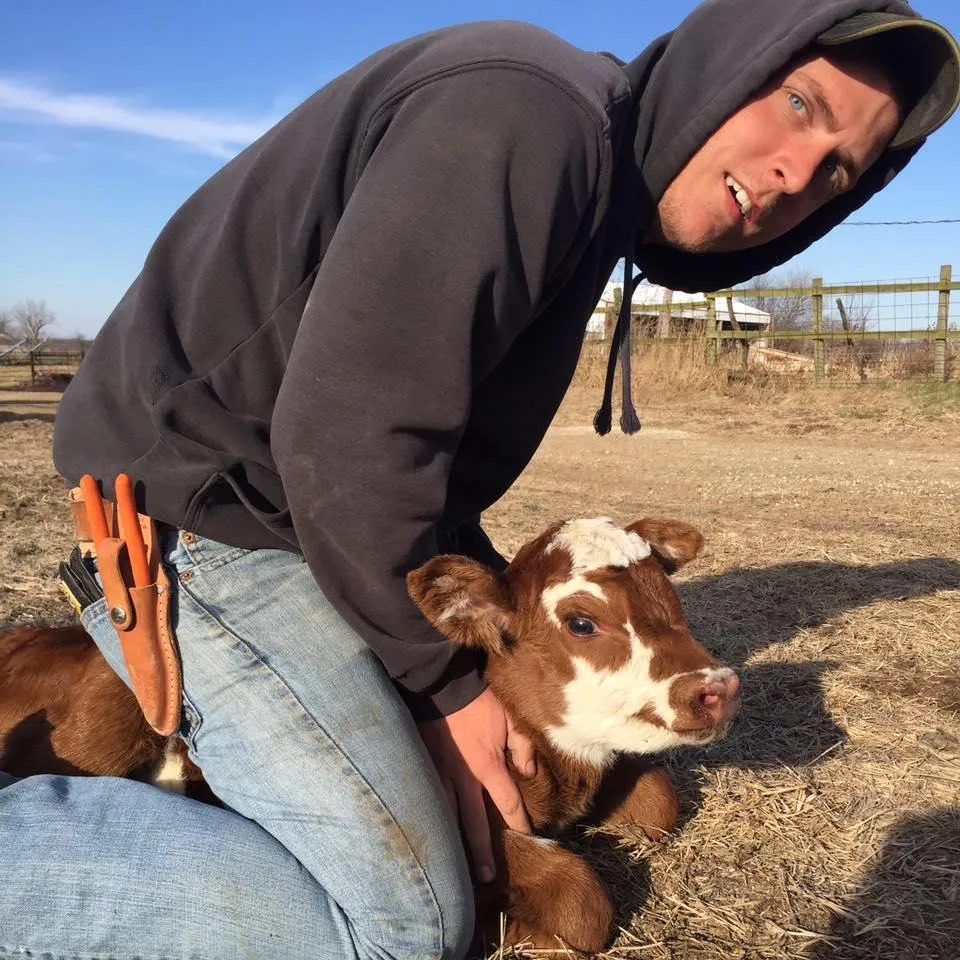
x: 891, y: 223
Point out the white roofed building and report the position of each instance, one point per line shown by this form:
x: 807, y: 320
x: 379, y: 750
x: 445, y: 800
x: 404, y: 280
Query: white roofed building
x: 688, y: 312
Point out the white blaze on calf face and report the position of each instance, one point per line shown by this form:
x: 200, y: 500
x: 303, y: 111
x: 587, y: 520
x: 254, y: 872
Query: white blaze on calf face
x: 606, y: 710
x: 552, y: 596
x: 598, y: 542
x: 591, y: 545
x: 603, y: 709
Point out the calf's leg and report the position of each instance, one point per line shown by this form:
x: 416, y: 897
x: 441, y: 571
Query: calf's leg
x: 551, y: 897
x: 638, y: 794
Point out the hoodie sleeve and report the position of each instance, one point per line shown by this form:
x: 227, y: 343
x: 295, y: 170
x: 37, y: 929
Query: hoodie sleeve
x: 471, y: 540
x: 458, y: 218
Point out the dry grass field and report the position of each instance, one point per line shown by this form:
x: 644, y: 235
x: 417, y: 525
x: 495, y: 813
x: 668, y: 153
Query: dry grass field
x: 827, y: 826
x: 16, y: 377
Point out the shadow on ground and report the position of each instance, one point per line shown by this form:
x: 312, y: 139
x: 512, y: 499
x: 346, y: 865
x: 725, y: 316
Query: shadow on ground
x: 8, y: 416
x: 783, y: 718
x: 738, y: 612
x: 908, y: 903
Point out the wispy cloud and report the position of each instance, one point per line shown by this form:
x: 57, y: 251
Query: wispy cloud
x: 214, y: 135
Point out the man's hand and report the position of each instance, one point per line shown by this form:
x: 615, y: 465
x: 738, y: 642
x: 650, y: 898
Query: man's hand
x: 467, y: 748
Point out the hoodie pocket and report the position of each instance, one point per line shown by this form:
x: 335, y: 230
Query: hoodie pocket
x: 231, y: 489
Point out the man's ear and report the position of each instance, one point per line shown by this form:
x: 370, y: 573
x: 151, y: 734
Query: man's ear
x: 673, y: 542
x: 466, y: 601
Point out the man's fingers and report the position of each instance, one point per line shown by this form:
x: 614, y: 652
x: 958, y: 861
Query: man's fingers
x: 469, y: 747
x: 476, y: 827
x: 507, y: 799
x: 521, y: 750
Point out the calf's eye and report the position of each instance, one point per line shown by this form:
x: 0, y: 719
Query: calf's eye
x: 581, y: 626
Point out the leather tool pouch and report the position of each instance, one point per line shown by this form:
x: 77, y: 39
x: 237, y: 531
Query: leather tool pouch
x: 141, y: 617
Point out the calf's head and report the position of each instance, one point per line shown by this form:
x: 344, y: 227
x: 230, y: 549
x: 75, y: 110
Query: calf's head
x: 586, y: 642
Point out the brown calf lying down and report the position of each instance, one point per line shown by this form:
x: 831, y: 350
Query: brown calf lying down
x: 589, y: 652
x: 587, y: 649
x: 64, y: 711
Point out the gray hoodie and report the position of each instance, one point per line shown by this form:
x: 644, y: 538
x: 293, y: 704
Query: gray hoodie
x: 350, y: 341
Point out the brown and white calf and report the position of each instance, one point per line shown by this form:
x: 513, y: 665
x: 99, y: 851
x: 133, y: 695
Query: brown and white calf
x: 587, y: 648
x: 64, y: 711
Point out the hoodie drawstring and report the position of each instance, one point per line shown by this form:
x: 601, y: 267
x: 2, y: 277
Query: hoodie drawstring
x: 629, y: 421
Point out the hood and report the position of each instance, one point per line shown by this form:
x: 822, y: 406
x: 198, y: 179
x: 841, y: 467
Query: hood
x: 722, y: 54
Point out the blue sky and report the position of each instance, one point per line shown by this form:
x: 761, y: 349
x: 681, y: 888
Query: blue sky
x: 113, y: 112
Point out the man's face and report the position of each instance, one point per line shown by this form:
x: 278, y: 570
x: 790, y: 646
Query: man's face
x: 798, y: 143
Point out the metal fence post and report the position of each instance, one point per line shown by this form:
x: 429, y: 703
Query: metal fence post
x: 819, y: 353
x: 712, y: 338
x: 943, y: 317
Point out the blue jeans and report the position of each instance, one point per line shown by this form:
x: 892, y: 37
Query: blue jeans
x: 337, y: 840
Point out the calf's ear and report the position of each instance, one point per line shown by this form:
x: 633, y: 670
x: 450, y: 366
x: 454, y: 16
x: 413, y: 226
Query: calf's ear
x: 673, y: 542
x: 466, y: 601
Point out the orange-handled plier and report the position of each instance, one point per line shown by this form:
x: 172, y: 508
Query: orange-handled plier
x: 130, y: 531
x: 127, y: 522
x: 93, y: 504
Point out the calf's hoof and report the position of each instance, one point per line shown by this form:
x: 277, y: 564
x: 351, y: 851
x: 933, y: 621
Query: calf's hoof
x: 554, y: 898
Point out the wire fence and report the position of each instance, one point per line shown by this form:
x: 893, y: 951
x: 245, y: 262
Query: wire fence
x: 862, y: 332
x: 858, y: 332
x: 23, y: 367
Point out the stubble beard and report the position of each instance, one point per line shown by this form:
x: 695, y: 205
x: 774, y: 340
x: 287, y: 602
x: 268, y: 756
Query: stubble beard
x: 670, y: 230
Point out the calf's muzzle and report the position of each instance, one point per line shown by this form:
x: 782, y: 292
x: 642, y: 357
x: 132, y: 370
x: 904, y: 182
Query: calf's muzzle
x: 705, y: 702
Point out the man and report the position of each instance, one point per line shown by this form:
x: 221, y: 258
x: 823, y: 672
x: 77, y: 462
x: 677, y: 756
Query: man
x: 341, y: 350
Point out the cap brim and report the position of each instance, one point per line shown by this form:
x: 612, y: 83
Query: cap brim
x: 937, y: 54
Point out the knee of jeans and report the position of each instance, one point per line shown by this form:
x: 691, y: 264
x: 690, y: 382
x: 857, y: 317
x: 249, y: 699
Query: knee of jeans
x: 443, y: 930
x: 457, y: 918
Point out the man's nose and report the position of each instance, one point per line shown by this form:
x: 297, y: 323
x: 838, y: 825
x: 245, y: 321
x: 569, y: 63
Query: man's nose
x: 797, y: 167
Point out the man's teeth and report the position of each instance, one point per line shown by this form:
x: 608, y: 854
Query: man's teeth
x: 746, y: 204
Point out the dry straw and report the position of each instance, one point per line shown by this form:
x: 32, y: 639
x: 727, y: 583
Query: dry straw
x: 827, y: 826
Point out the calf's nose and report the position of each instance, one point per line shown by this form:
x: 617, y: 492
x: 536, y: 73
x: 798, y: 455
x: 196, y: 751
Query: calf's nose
x: 705, y: 700
x: 720, y: 696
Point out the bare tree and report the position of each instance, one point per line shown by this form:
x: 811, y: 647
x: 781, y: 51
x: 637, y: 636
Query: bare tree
x: 854, y: 349
x: 789, y: 313
x: 853, y: 314
x: 6, y: 327
x: 31, y: 318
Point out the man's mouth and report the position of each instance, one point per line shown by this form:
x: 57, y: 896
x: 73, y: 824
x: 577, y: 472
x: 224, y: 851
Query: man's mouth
x: 741, y: 197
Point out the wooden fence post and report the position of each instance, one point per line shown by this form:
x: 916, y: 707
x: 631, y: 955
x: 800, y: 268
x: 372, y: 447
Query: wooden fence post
x: 744, y: 344
x: 611, y: 314
x: 713, y: 341
x: 819, y: 353
x: 943, y: 318
x: 663, y: 321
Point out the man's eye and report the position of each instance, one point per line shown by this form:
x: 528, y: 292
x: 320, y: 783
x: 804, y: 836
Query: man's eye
x: 581, y: 626
x: 832, y: 169
x: 797, y: 102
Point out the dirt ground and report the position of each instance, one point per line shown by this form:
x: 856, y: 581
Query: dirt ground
x: 827, y: 826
